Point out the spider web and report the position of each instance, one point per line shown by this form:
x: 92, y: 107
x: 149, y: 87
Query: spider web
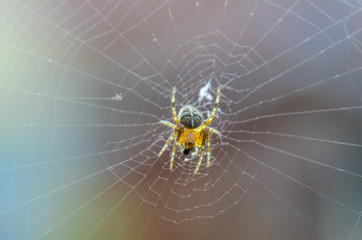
x: 85, y: 84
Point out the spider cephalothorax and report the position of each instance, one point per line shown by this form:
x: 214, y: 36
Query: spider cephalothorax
x: 189, y: 132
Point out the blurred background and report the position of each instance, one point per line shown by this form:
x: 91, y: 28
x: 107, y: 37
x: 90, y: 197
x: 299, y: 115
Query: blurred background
x: 84, y: 85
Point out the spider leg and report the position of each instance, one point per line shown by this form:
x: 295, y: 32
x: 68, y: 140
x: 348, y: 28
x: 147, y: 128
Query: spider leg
x: 167, y: 143
x: 213, y: 111
x: 173, y: 151
x: 208, y: 148
x: 178, y: 130
x: 203, y: 133
x: 173, y: 106
x: 168, y: 124
x: 200, y: 160
x: 214, y: 131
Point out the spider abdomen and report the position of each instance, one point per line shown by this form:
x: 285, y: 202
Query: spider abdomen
x: 190, y: 117
x: 189, y: 139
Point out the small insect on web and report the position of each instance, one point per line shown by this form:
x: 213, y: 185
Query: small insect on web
x: 189, y: 132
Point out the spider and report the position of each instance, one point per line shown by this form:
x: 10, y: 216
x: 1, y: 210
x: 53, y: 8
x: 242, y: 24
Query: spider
x: 188, y: 131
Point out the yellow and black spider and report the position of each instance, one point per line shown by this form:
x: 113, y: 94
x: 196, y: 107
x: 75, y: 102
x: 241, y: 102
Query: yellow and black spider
x: 188, y: 131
